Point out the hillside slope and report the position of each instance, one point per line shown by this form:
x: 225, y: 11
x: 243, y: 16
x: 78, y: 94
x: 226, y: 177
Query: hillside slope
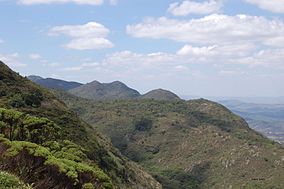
x: 54, y: 83
x: 79, y: 156
x: 187, y: 144
x: 105, y: 91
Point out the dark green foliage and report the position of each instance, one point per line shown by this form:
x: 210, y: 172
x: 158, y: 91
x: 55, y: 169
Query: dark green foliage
x: 17, y: 101
x: 143, y: 123
x: 22, y: 100
x: 33, y: 99
x: 173, y: 179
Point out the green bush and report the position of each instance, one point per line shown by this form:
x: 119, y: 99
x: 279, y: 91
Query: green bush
x: 19, y: 126
x: 9, y: 181
x: 143, y: 123
x: 71, y: 164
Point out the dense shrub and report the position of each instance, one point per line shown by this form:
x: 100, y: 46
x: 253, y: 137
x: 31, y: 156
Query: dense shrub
x: 19, y: 126
x: 9, y: 181
x: 143, y: 123
x: 59, y: 161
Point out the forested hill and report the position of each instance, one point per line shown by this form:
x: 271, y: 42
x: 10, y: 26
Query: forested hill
x: 186, y: 144
x: 44, y: 143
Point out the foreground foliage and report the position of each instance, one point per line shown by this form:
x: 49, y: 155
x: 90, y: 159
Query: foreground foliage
x: 66, y: 162
x: 9, y: 181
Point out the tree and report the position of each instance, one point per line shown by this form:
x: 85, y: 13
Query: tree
x: 19, y: 126
x: 12, y: 118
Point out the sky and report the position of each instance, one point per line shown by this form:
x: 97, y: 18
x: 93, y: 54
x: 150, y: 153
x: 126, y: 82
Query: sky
x: 193, y: 47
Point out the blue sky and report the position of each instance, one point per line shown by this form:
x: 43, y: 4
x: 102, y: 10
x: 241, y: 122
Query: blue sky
x: 204, y: 48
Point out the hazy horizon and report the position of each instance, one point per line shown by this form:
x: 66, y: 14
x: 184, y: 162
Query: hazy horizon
x: 258, y: 99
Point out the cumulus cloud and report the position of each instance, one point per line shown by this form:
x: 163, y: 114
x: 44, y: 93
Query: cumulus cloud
x: 80, y: 2
x: 276, y: 6
x: 211, y: 30
x: 193, y: 7
x: 83, y: 37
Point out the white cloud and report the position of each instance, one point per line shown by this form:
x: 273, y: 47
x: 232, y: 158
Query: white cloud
x: 225, y: 50
x: 80, y: 2
x: 199, y: 51
x: 168, y: 70
x: 193, y: 7
x: 12, y: 60
x: 276, y: 6
x: 34, y: 56
x: 269, y: 58
x: 88, y: 36
x: 211, y: 30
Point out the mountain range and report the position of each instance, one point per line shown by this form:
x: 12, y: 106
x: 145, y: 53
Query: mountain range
x: 260, y: 117
x: 102, y: 91
x: 186, y: 144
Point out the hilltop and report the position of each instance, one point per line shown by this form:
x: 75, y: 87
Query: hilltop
x: 54, y: 83
x: 102, y: 91
x: 45, y: 143
x: 160, y: 94
x: 187, y: 144
x: 105, y: 91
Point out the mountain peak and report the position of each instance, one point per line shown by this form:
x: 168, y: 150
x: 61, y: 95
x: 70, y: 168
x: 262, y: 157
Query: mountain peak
x: 105, y: 91
x: 95, y: 82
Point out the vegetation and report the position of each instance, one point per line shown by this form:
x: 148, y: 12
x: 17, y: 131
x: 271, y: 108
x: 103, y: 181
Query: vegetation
x: 54, y: 83
x: 9, y: 181
x: 160, y: 94
x: 186, y: 144
x: 105, y: 91
x: 19, y: 126
x: 61, y: 160
x: 42, y: 138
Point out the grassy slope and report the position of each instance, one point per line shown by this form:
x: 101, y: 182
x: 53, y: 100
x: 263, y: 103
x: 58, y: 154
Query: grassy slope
x: 14, y: 88
x: 190, y: 144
